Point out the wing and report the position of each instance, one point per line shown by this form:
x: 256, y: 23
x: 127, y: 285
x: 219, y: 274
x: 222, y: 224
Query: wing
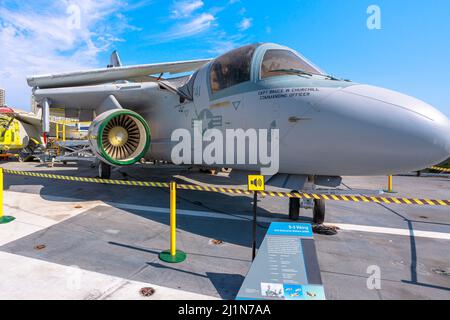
x: 107, y: 75
x: 128, y: 95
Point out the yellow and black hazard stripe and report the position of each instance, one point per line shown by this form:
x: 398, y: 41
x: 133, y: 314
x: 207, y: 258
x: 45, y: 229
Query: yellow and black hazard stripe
x: 314, y: 196
x: 88, y: 180
x: 440, y: 169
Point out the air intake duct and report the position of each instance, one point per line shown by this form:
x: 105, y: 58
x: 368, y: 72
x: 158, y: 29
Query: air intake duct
x: 119, y: 137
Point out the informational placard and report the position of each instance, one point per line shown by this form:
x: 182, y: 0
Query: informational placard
x: 286, y: 266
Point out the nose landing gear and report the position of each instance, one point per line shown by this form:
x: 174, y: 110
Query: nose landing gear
x: 294, y: 209
x: 104, y: 170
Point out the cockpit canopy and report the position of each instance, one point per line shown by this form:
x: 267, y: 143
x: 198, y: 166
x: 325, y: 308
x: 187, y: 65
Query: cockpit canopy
x: 237, y: 66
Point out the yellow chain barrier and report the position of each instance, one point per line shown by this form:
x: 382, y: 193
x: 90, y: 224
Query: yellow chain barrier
x: 440, y: 169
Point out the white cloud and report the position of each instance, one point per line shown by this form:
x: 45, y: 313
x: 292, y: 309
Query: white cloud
x: 48, y: 38
x: 183, y: 9
x: 222, y: 42
x: 245, y: 24
x: 197, y: 25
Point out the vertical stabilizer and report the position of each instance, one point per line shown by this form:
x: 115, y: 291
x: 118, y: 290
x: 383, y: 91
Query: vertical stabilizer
x: 114, y: 60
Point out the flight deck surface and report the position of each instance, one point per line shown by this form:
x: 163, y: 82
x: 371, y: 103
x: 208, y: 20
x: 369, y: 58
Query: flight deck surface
x: 79, y: 240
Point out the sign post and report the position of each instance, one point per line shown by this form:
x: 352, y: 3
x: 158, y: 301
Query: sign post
x: 255, y: 184
x: 255, y: 205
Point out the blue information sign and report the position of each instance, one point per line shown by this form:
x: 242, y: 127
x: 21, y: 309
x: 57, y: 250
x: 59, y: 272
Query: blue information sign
x: 290, y: 229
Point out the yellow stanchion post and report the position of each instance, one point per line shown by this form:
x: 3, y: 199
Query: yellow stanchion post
x: 173, y: 219
x: 3, y: 219
x: 173, y: 255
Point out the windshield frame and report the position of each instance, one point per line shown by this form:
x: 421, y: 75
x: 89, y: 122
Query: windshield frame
x: 269, y: 47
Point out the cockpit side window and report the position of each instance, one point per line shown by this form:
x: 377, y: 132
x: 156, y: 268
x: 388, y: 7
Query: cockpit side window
x: 232, y: 68
x: 278, y: 62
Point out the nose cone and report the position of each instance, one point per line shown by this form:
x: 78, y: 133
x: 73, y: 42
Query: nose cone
x: 390, y: 131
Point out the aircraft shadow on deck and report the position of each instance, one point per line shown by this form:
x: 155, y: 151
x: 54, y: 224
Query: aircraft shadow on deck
x: 82, y: 241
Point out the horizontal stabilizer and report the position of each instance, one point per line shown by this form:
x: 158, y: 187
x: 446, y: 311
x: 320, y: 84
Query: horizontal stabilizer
x: 107, y: 75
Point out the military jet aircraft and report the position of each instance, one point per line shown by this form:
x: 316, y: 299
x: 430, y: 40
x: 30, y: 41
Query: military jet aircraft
x: 328, y: 127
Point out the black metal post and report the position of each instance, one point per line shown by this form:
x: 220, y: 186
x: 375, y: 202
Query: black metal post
x: 255, y: 205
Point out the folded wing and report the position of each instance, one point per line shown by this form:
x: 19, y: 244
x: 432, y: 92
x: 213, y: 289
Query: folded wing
x: 108, y: 75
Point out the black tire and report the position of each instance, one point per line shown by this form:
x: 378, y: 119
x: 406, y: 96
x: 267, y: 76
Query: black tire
x: 294, y: 209
x: 319, y: 211
x: 104, y: 170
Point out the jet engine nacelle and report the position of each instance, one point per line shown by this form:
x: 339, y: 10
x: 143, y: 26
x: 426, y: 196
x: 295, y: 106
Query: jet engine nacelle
x: 119, y: 137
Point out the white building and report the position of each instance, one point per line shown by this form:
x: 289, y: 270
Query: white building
x: 2, y: 97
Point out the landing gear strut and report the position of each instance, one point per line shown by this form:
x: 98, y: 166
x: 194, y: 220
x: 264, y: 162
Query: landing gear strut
x: 294, y: 209
x: 104, y: 170
x: 318, y: 215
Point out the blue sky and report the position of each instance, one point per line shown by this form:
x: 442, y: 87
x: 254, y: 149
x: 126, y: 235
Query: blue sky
x: 410, y: 53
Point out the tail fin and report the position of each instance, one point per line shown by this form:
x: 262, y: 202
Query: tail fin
x: 114, y: 60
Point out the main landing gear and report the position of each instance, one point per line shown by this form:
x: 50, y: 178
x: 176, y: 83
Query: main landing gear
x: 104, y: 170
x: 318, y: 210
x: 318, y: 215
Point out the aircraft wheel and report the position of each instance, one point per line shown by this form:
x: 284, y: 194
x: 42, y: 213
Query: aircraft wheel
x: 319, y: 211
x: 23, y: 156
x: 104, y: 170
x: 294, y: 209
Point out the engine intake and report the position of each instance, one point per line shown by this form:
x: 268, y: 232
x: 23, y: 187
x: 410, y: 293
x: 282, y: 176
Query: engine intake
x: 120, y: 137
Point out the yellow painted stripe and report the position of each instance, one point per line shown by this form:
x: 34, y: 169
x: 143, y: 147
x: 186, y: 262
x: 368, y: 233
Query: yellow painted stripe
x: 385, y: 200
x: 374, y: 199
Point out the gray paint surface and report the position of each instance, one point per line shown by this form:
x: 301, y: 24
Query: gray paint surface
x: 345, y: 128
